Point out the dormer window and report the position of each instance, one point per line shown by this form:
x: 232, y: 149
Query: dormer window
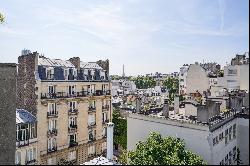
x: 50, y: 73
x: 66, y: 74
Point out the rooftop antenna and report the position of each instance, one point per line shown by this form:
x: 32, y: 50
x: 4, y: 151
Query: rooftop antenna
x: 123, y: 71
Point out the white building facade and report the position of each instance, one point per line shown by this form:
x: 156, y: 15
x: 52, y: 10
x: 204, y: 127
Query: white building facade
x: 216, y: 145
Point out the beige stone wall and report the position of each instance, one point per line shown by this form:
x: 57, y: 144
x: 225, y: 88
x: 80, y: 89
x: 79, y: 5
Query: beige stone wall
x: 63, y: 120
x: 23, y: 150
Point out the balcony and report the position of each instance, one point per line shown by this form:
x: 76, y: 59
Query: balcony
x: 52, y: 114
x: 53, y: 149
x: 72, y: 128
x: 92, y: 109
x: 58, y: 95
x: 73, y: 144
x: 52, y: 132
x: 105, y: 107
x: 31, y: 162
x: 73, y: 111
x: 22, y: 143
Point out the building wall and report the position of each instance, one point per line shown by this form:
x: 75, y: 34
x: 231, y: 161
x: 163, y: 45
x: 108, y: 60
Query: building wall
x: 190, y: 110
x: 197, y: 138
x: 27, y: 69
x: 8, y: 75
x: 244, y: 77
x: 197, y: 79
x: 243, y: 140
x: 63, y: 119
x: 23, y: 151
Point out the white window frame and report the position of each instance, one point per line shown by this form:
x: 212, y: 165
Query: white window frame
x: 91, y: 150
x: 72, y: 120
x: 52, y: 108
x: 72, y: 105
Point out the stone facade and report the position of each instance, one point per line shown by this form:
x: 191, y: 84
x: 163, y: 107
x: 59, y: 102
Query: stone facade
x: 61, y: 133
x: 8, y: 74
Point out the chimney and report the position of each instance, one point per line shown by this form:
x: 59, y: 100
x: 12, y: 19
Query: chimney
x: 138, y: 105
x: 110, y: 130
x: 176, y: 104
x: 165, y: 109
x: 76, y: 62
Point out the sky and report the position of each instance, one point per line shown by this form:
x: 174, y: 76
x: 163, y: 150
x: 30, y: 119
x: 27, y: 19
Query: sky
x: 147, y: 36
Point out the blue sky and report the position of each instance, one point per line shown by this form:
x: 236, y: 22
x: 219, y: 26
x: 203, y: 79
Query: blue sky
x: 145, y: 35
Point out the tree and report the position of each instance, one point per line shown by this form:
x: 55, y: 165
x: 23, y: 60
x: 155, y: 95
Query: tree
x: 142, y: 82
x: 1, y: 18
x: 163, y: 151
x: 172, y: 84
x: 120, y: 129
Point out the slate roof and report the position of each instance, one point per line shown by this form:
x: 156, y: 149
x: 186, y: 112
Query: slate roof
x: 43, y: 61
x: 23, y: 116
x: 90, y: 65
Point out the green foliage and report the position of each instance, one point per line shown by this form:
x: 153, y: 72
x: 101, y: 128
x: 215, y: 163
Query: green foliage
x: 163, y: 151
x: 123, y: 157
x: 172, y: 84
x: 143, y: 82
x: 2, y: 18
x: 120, y: 129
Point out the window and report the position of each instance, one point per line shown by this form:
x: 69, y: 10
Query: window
x: 226, y: 160
x: 91, y: 150
x: 72, y: 105
x: 72, y: 121
x: 31, y: 154
x: 51, y: 144
x: 92, y: 134
x: 72, y: 138
x: 104, y: 117
x: 23, y: 132
x: 92, y: 104
x: 72, y: 90
x: 52, y: 89
x: 221, y: 136
x: 226, y: 136
x: 18, y: 158
x: 230, y: 158
x: 52, y: 108
x: 230, y: 132
x: 66, y: 74
x: 234, y: 153
x: 232, y: 72
x: 50, y: 73
x: 52, y: 125
x: 33, y: 130
x: 234, y: 131
x: 92, y: 90
x: 104, y: 131
x: 91, y: 119
x: 72, y: 156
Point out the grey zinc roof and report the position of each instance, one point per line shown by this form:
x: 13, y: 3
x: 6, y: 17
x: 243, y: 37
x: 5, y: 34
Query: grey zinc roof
x: 23, y: 116
x: 54, y: 62
x: 90, y: 65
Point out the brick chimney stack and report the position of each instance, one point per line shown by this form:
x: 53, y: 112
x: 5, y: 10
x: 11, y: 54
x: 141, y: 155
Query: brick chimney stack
x: 76, y: 62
